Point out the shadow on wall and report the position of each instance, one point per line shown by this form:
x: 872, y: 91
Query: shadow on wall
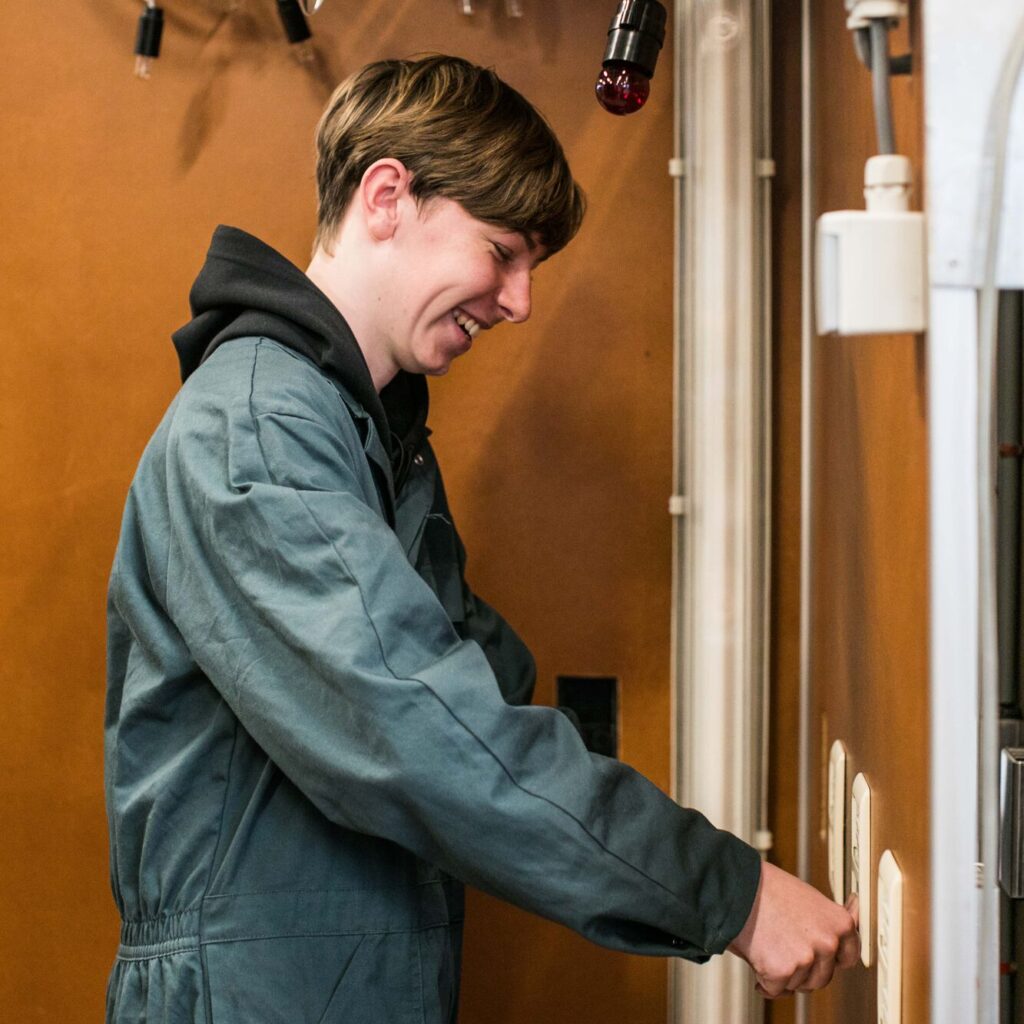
x: 220, y: 36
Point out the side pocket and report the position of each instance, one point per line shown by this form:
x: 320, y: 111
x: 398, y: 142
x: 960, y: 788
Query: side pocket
x: 325, y: 1016
x: 284, y: 980
x: 380, y: 984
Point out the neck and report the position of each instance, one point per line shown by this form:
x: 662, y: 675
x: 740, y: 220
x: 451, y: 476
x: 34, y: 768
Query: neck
x: 341, y: 280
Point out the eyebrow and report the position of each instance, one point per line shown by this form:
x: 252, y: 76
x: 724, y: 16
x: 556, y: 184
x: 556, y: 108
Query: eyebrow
x: 531, y: 243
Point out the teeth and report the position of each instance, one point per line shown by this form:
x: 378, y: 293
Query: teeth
x: 467, y: 323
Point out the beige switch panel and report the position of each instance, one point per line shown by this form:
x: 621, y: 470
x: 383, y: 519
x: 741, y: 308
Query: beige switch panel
x: 837, y: 821
x: 890, y: 939
x: 860, y: 861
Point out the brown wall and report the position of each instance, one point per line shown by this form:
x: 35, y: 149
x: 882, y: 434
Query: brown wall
x: 869, y: 603
x: 555, y: 436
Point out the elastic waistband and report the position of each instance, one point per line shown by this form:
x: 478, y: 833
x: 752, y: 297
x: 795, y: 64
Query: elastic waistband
x: 160, y: 936
x: 240, y: 916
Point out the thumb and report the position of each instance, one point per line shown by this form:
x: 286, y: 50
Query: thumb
x: 853, y: 908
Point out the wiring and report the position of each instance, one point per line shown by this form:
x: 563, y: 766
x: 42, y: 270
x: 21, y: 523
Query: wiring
x: 871, y: 44
x: 900, y: 65
x: 881, y: 93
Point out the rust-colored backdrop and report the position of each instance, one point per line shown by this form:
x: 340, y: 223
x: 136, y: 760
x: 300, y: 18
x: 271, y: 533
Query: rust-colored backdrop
x: 870, y: 586
x: 555, y: 436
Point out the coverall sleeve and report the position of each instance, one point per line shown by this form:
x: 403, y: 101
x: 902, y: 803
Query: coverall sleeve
x: 298, y: 603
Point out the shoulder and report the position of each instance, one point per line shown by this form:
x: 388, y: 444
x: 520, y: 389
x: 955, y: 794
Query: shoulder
x: 278, y: 415
x: 270, y: 378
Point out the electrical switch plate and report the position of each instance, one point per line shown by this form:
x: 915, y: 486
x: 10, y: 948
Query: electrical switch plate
x: 837, y: 820
x: 860, y: 860
x: 890, y: 939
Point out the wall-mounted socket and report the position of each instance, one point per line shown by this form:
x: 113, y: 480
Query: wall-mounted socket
x: 860, y: 861
x: 837, y: 821
x: 890, y: 940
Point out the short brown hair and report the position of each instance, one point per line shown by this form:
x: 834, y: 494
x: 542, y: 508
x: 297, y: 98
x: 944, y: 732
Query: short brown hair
x: 462, y: 133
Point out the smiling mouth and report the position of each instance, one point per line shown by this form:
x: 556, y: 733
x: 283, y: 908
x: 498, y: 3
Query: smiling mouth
x: 469, y: 326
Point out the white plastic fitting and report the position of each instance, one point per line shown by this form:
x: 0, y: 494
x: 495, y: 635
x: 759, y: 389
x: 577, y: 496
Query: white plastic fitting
x: 872, y: 273
x: 862, y: 12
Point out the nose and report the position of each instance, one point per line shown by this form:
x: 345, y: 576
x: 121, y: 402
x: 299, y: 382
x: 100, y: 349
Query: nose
x: 514, y: 296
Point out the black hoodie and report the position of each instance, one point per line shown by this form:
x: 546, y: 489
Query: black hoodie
x: 247, y: 289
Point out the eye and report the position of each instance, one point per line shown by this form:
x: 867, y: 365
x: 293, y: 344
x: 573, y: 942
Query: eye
x: 503, y: 254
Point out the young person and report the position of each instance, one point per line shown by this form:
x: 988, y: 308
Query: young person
x: 315, y: 731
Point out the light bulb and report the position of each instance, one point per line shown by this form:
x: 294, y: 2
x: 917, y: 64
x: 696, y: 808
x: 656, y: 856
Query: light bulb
x: 147, y: 39
x: 622, y: 88
x: 296, y: 28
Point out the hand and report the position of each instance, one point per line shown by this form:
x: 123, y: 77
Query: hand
x: 795, y: 937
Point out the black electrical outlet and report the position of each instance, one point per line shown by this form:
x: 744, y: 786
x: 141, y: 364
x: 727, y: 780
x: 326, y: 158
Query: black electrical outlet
x: 595, y: 702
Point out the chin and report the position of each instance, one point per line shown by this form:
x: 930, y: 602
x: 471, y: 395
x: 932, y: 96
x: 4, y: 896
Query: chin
x: 436, y: 363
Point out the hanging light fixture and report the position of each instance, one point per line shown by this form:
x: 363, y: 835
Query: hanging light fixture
x: 147, y: 38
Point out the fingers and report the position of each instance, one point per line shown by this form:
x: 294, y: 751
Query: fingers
x: 849, y: 939
x: 849, y: 950
x: 798, y: 979
x: 841, y: 948
x: 770, y: 988
x: 819, y: 976
x: 795, y: 937
x: 853, y: 908
x: 806, y: 979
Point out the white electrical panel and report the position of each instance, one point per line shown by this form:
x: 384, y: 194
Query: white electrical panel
x: 890, y: 940
x: 837, y: 821
x: 860, y: 861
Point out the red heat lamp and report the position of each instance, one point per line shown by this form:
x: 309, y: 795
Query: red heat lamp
x: 621, y: 88
x: 635, y: 36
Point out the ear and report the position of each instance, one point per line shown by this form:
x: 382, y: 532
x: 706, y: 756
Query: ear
x: 384, y: 185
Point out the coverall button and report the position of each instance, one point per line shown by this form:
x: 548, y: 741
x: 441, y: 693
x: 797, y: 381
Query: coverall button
x: 418, y: 459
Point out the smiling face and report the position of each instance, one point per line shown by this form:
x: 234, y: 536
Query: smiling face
x: 450, y: 276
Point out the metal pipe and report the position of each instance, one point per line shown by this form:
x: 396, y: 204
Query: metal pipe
x: 680, y: 376
x: 720, y: 642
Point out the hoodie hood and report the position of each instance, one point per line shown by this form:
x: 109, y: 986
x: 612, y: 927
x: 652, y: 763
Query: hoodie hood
x: 248, y: 289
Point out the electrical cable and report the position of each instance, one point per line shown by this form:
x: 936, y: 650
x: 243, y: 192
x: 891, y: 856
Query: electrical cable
x: 993, y: 181
x: 310, y: 7
x: 862, y: 45
x: 882, y: 94
x: 899, y: 65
